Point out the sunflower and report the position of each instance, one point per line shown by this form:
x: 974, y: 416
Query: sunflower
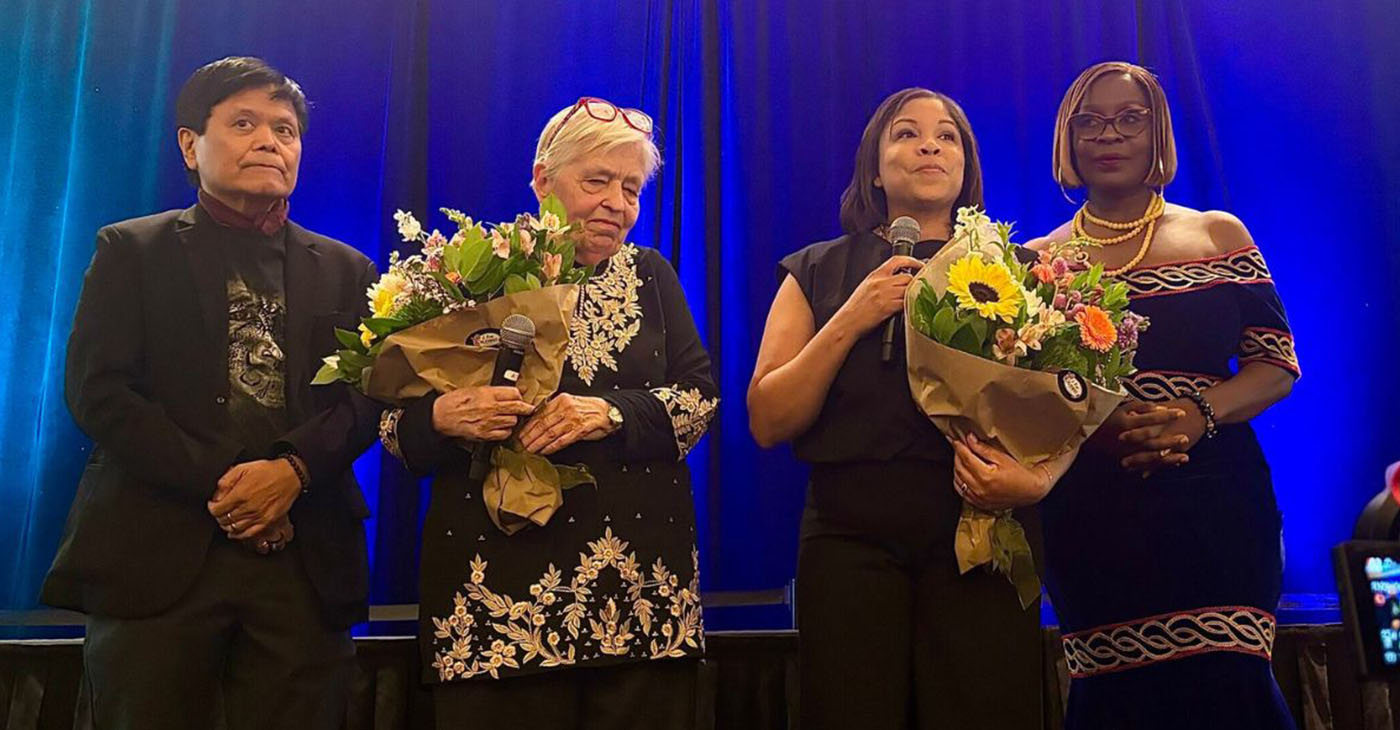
x: 985, y: 288
x: 1096, y: 330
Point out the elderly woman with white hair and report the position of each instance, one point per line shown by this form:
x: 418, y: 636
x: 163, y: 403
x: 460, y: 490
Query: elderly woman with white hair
x: 592, y: 621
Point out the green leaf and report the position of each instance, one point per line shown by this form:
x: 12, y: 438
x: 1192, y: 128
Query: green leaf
x: 476, y: 257
x: 353, y: 362
x: 490, y: 280
x: 966, y: 340
x: 349, y: 340
x: 384, y: 326
x: 572, y: 476
x: 326, y: 375
x: 944, y: 325
x: 452, y: 258
x: 1095, y: 274
x: 551, y: 204
x: 1062, y: 352
x: 979, y: 330
x: 515, y: 283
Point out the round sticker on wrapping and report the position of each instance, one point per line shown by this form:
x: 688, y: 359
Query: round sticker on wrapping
x: 485, y: 338
x: 1072, y: 386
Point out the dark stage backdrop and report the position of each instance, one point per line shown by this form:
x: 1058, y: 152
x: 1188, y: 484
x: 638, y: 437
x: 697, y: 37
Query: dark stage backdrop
x: 1286, y: 114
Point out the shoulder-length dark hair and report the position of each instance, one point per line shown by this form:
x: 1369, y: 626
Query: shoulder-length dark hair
x: 863, y: 206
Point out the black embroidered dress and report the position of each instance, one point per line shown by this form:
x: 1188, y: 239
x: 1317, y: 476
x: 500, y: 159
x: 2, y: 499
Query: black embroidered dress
x: 1166, y: 587
x: 612, y: 577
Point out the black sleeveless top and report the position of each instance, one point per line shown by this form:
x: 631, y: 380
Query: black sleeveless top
x: 869, y: 414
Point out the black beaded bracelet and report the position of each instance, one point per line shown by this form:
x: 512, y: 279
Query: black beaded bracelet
x: 302, y: 476
x: 1206, y: 411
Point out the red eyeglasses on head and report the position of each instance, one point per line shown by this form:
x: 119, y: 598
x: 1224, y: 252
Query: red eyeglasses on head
x: 604, y: 111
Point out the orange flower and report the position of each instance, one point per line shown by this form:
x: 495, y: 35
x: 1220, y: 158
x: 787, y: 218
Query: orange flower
x: 1043, y: 273
x: 1096, y: 329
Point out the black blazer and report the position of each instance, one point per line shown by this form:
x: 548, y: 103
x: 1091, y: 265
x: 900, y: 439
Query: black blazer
x: 147, y: 380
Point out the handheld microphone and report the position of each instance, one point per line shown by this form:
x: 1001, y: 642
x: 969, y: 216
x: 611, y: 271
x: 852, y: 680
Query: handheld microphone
x: 517, y: 332
x: 903, y: 232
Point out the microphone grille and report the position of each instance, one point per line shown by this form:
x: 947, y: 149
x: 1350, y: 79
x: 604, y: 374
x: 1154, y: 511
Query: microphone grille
x: 904, y: 230
x: 517, y: 332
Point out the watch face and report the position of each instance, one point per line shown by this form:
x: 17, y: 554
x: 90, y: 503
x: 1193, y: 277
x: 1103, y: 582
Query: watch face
x: 615, y: 416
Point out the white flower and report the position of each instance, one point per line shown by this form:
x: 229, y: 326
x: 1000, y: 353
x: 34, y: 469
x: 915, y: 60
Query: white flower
x: 409, y: 227
x: 331, y: 361
x: 549, y: 222
x: 972, y: 217
x: 1033, y: 302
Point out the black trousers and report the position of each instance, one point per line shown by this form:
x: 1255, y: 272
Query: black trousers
x: 645, y: 695
x: 892, y: 637
x: 245, y: 648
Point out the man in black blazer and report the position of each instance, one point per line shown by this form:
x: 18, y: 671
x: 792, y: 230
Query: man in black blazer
x: 216, y: 539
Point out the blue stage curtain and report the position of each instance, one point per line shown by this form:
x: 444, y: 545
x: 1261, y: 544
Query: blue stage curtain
x: 1285, y: 113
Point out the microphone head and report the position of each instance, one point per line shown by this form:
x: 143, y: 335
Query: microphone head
x: 517, y: 332
x: 903, y: 230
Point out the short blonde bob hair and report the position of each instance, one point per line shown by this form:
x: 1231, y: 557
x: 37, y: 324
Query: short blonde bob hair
x: 1162, y: 169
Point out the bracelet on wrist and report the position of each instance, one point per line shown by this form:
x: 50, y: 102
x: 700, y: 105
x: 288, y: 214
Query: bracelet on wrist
x: 1207, y: 411
x: 300, y: 470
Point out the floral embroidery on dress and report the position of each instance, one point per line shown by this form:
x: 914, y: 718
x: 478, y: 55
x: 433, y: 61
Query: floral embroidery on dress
x: 1265, y: 344
x: 528, y: 630
x: 608, y: 316
x: 690, y: 413
x: 389, y: 432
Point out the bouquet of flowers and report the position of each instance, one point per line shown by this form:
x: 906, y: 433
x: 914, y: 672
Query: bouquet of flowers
x: 1024, y: 350
x: 434, y: 325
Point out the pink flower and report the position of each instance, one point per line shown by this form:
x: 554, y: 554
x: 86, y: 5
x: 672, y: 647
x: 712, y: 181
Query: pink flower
x: 500, y: 245
x: 1059, y: 266
x: 553, y: 262
x: 527, y: 242
x: 435, y: 241
x: 1060, y: 301
x: 1008, y: 347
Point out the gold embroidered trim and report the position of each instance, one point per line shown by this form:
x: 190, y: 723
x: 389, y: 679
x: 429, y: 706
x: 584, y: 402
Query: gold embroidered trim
x: 389, y: 431
x: 690, y: 413
x: 1245, y: 266
x: 1129, y: 645
x: 519, y: 631
x: 1269, y: 345
x: 608, y: 316
x: 1163, y: 385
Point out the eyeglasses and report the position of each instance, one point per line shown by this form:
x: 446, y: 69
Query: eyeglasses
x: 1128, y: 123
x: 604, y: 111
